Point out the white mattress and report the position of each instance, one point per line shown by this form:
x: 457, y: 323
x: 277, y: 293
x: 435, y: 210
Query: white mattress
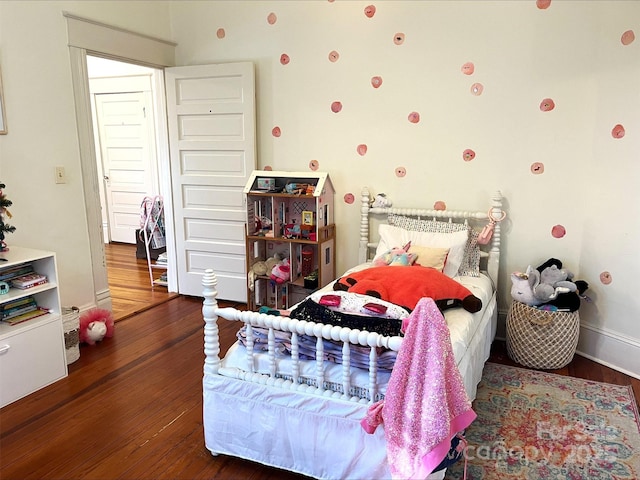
x: 462, y: 326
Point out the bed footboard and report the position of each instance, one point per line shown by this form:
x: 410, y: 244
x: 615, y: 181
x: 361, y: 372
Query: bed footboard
x: 291, y: 380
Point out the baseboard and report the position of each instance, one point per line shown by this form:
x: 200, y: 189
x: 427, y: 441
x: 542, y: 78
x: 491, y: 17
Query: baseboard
x: 610, y: 348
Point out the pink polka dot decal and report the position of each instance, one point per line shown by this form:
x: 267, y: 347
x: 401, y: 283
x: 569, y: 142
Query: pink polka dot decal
x: 618, y: 131
x: 376, y: 82
x: 558, y: 231
x: 268, y: 168
x: 370, y: 11
x: 314, y: 165
x: 537, y: 168
x: 414, y: 117
x: 398, y: 38
x: 605, y: 278
x: 284, y: 59
x: 547, y: 105
x: 439, y: 205
x: 628, y: 37
x: 334, y: 56
x: 220, y: 33
x: 349, y: 198
x: 401, y: 172
x: 362, y: 149
x: 336, y: 107
x: 468, y: 155
x: 543, y: 4
x: 272, y: 18
x: 468, y: 68
x: 276, y: 132
x: 477, y: 89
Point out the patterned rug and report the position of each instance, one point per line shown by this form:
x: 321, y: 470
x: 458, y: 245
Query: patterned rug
x: 535, y: 425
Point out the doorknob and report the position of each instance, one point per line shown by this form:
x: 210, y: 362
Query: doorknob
x: 106, y: 177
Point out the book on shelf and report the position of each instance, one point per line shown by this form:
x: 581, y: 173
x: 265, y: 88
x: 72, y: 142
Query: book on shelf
x: 14, y: 312
x: 18, y: 302
x: 38, y: 312
x: 29, y: 280
x: 8, y: 274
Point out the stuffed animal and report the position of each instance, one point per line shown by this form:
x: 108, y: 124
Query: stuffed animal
x: 95, y: 325
x: 396, y: 257
x: 523, y: 285
x: 407, y: 285
x: 382, y: 201
x: 281, y: 272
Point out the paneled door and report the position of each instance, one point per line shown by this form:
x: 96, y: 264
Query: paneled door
x: 126, y: 140
x: 211, y: 122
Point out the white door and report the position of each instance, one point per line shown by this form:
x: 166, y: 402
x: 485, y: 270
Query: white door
x: 211, y: 121
x: 126, y: 136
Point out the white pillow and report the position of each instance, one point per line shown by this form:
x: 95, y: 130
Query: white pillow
x: 391, y: 237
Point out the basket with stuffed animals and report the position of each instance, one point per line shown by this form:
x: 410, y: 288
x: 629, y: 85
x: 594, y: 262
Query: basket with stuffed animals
x: 543, y: 324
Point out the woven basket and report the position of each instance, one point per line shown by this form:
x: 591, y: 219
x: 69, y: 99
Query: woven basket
x: 71, y: 325
x: 541, y: 339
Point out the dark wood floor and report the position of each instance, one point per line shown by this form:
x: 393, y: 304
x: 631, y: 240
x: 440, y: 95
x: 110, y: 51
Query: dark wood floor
x: 131, y: 407
x: 129, y: 282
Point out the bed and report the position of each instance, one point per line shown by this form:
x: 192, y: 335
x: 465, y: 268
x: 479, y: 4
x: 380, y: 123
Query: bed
x: 279, y: 398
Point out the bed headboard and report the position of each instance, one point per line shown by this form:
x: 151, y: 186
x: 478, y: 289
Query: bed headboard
x: 371, y: 216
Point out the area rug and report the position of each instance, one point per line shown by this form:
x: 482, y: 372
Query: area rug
x: 535, y: 425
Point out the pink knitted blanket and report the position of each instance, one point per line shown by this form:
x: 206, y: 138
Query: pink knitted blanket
x: 425, y: 404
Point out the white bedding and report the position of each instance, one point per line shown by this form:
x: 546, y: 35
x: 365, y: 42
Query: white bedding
x: 462, y: 326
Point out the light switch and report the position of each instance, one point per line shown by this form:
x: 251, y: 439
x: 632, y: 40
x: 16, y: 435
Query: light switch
x: 61, y: 176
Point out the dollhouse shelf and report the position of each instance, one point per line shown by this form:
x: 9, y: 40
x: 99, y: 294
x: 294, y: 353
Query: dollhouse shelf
x: 289, y: 215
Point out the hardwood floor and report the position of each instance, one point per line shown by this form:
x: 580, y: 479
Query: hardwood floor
x: 129, y: 282
x: 131, y: 407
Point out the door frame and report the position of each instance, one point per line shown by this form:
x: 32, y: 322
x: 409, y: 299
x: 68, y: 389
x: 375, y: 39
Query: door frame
x: 102, y: 40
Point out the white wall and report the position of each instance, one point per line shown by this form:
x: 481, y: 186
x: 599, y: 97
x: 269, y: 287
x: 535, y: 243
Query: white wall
x: 571, y: 52
x: 38, y: 94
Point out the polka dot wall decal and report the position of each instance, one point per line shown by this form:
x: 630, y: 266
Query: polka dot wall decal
x: 334, y: 56
x: 272, y: 18
x: 349, y: 198
x: 284, y: 59
x: 370, y: 11
x: 618, y: 131
x: 558, y: 231
x: 376, y: 82
x: 398, y: 38
x: 314, y: 165
x: 268, y: 168
x: 401, y: 172
x: 468, y: 68
x: 414, y: 117
x: 628, y: 37
x: 547, y: 105
x: 468, y: 155
x: 543, y: 4
x: 439, y: 205
x: 336, y: 107
x: 276, y: 132
x: 362, y: 149
x: 220, y: 33
x: 477, y: 89
x: 605, y: 278
x: 537, y: 168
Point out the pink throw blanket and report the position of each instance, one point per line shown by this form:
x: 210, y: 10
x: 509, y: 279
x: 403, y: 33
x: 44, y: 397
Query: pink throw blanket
x: 425, y: 404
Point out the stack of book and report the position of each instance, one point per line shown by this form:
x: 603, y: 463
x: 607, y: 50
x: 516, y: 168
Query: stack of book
x: 29, y: 280
x: 8, y: 274
x: 21, y: 310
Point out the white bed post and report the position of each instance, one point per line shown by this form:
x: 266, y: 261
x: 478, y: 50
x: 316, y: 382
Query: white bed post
x: 211, y: 337
x: 493, y: 262
x: 363, y: 251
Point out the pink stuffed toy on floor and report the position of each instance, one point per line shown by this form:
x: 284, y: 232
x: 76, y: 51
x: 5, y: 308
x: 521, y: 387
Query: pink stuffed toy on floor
x: 95, y: 325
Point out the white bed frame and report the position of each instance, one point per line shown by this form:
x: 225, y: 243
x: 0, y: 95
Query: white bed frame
x: 251, y: 415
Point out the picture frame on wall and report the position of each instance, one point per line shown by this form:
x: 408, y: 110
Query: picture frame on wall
x: 3, y: 120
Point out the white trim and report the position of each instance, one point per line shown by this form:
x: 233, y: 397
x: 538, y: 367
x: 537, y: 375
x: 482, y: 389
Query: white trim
x: 95, y: 36
x: 610, y: 348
